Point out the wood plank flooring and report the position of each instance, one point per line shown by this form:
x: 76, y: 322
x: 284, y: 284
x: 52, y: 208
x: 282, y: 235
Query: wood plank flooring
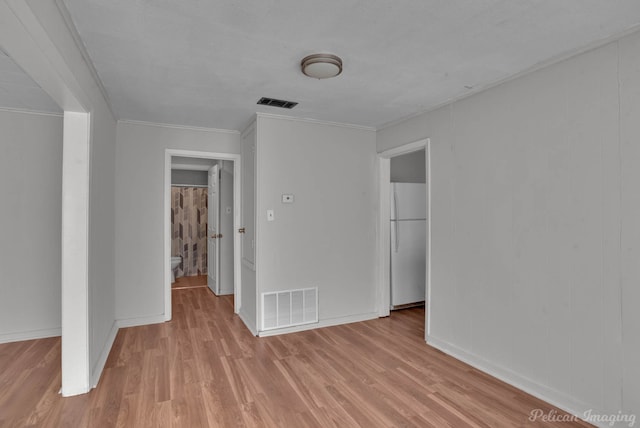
x: 204, y: 369
x: 190, y: 282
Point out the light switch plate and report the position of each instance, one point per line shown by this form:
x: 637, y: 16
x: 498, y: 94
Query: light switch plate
x: 287, y: 198
x: 270, y: 215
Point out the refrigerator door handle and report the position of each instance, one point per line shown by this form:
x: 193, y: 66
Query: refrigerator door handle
x: 395, y: 223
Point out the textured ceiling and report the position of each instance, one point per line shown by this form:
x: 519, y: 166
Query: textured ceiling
x: 206, y: 62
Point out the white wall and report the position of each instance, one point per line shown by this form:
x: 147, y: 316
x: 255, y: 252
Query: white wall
x: 140, y: 157
x: 629, y: 264
x: 181, y: 176
x: 326, y: 238
x: 31, y: 177
x: 102, y: 291
x: 409, y: 168
x: 535, y: 234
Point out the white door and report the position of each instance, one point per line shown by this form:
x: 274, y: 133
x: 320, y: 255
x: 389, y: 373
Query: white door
x: 213, y: 231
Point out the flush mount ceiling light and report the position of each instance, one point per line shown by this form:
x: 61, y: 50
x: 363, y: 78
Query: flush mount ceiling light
x: 321, y: 66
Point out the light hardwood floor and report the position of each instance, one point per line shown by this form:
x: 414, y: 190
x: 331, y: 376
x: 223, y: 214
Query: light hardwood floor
x: 190, y: 282
x: 204, y: 369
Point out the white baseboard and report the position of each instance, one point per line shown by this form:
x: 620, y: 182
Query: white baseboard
x: 320, y: 324
x: 550, y: 395
x: 102, y: 360
x: 30, y: 335
x: 138, y: 321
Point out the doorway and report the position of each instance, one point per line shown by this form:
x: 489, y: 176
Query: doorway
x: 385, y: 247
x: 213, y: 259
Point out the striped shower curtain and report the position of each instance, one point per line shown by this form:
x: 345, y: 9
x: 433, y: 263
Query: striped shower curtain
x: 189, y: 229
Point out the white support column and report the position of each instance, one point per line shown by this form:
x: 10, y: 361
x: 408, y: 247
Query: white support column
x: 29, y: 44
x: 75, y: 240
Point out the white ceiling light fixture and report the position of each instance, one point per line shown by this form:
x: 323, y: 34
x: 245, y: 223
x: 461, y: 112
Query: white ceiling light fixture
x: 321, y: 66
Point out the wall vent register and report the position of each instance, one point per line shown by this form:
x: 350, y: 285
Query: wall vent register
x: 289, y: 308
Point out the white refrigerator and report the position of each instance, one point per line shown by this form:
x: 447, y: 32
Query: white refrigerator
x: 408, y: 243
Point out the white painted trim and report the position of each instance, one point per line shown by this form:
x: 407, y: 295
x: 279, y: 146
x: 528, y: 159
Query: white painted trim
x: 237, y: 219
x: 237, y: 239
x: 36, y: 112
x: 427, y: 327
x: 549, y: 395
x: 104, y: 354
x: 382, y: 246
x: 182, y: 127
x: 138, y: 321
x: 167, y: 234
x: 404, y: 149
x: 316, y: 121
x: 75, y: 253
x: 205, y: 155
x: 257, y: 186
x: 320, y: 324
x: 30, y: 335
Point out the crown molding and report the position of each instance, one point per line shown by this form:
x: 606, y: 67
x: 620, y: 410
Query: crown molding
x: 34, y: 112
x: 316, y: 121
x: 183, y: 127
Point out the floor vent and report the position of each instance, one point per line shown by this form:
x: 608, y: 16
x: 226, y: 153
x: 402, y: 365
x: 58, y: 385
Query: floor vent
x: 272, y: 102
x: 289, y: 308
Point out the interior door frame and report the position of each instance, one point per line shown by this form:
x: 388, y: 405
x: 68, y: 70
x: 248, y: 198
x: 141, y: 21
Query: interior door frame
x: 384, y: 227
x: 237, y: 219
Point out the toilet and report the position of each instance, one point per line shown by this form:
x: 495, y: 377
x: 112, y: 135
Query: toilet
x: 175, y: 261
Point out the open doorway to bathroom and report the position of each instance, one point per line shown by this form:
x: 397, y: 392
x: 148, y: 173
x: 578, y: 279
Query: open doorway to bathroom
x: 189, y: 214
x: 202, y: 202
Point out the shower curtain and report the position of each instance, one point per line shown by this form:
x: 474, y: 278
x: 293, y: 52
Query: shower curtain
x: 189, y: 229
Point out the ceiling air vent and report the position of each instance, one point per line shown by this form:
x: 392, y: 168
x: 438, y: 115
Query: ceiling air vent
x: 276, y: 103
